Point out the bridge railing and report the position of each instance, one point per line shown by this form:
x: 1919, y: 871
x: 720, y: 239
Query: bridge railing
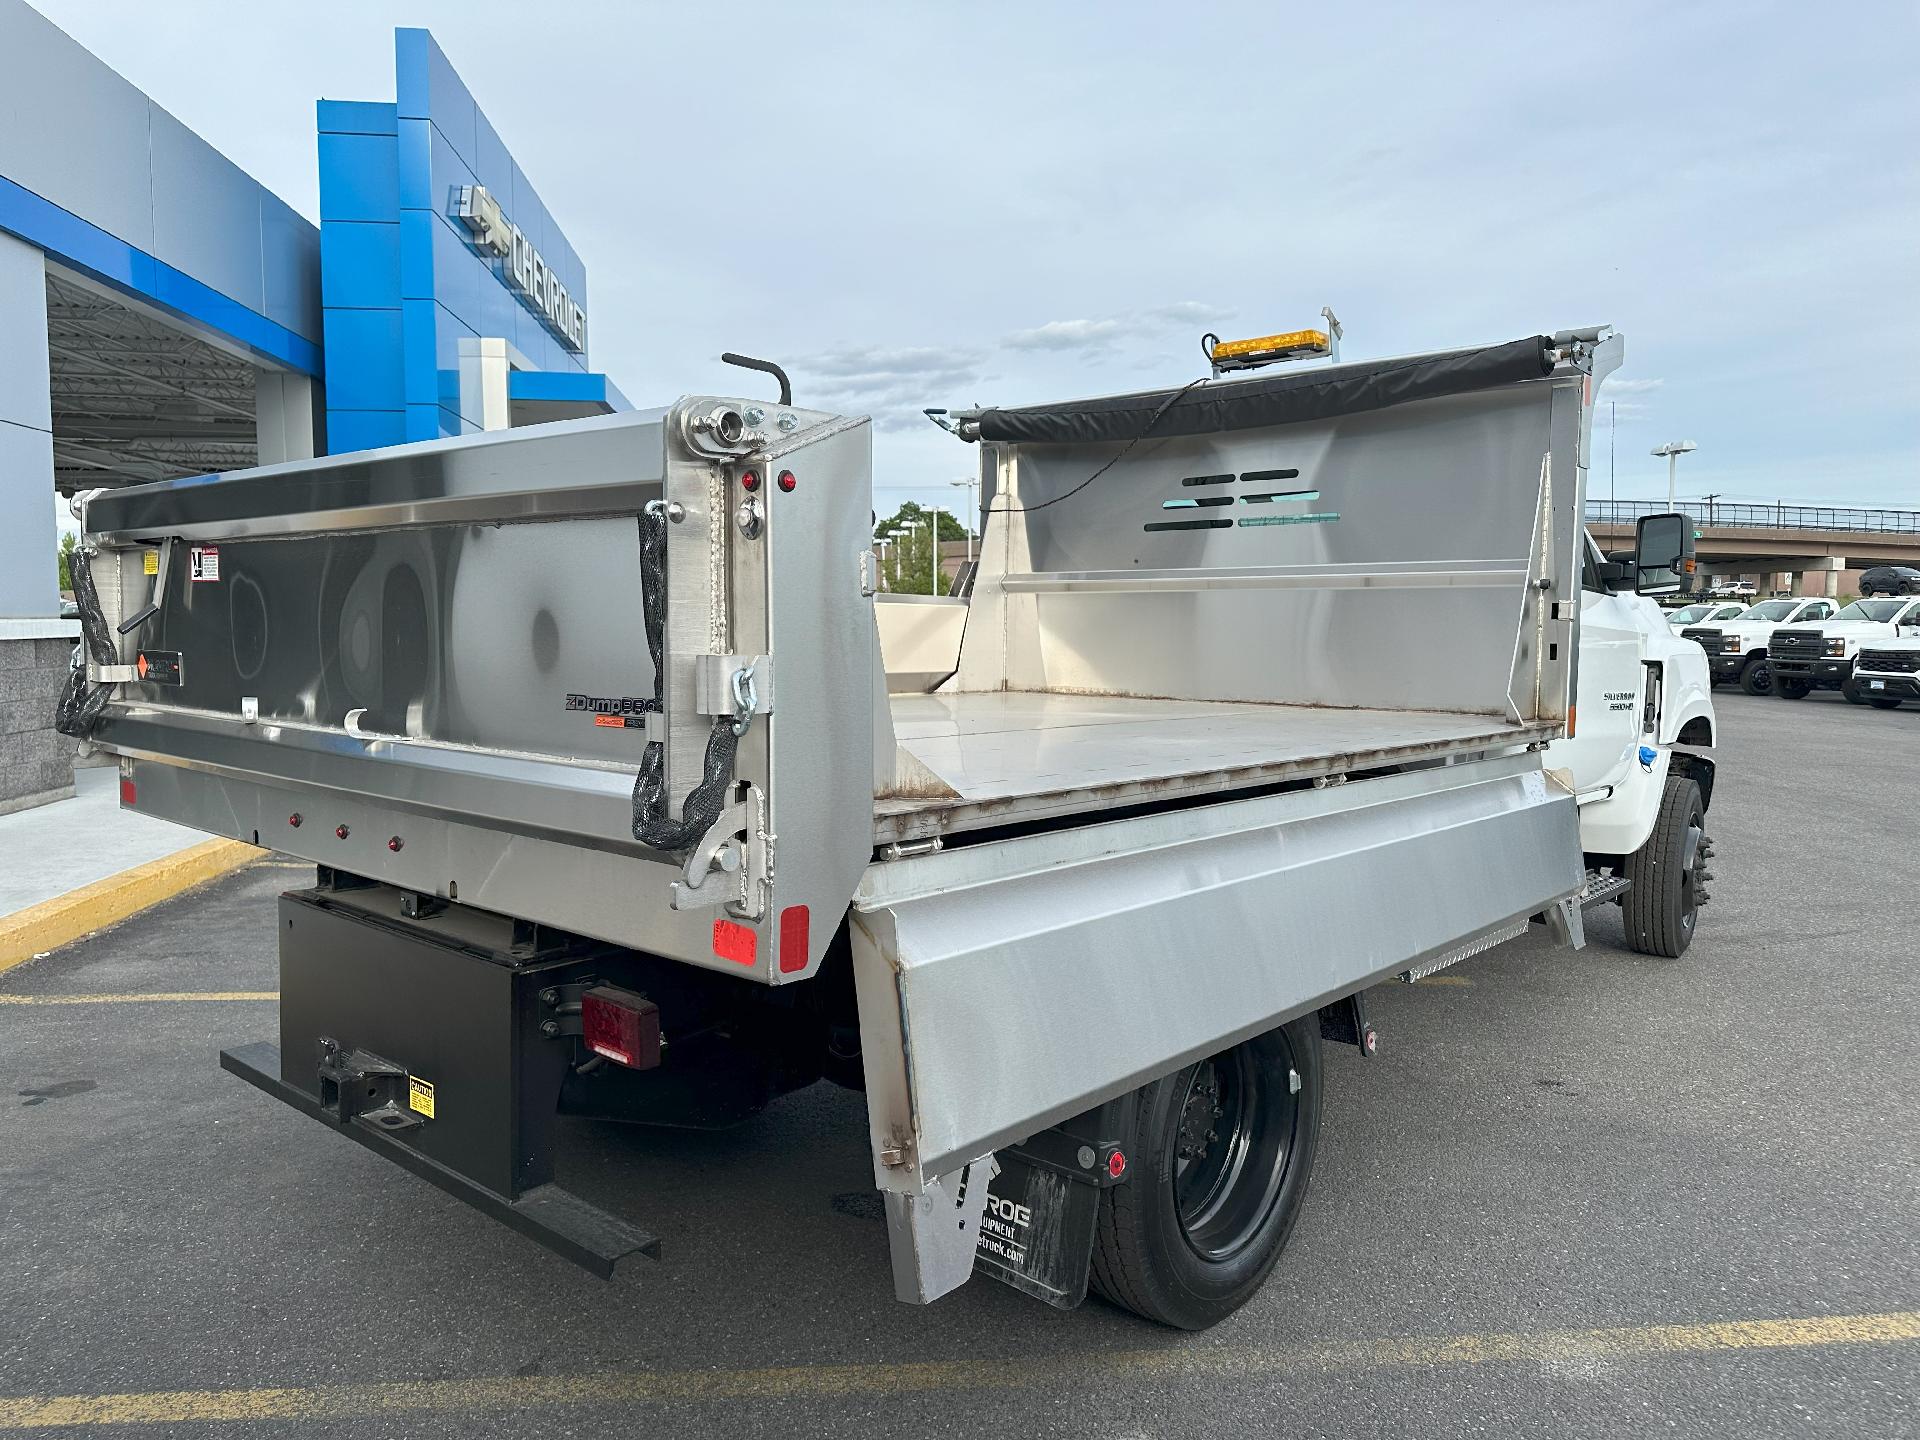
x: 1712, y: 514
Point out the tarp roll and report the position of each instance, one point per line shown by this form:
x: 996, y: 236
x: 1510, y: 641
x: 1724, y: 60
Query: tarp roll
x: 1282, y: 399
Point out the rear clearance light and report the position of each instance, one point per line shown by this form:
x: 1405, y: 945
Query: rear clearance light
x: 749, y: 480
x: 786, y: 481
x: 621, y: 1026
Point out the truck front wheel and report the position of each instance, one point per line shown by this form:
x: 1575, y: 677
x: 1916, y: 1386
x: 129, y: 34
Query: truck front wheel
x: 1757, y: 676
x: 1221, y: 1154
x: 1852, y: 691
x: 1791, y: 689
x: 1668, y: 874
x: 1884, y: 702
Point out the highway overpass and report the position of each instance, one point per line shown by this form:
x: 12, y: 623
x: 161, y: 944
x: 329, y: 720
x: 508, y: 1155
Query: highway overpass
x: 1807, y: 549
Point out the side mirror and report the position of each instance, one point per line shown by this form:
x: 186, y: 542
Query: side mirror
x: 1663, y: 555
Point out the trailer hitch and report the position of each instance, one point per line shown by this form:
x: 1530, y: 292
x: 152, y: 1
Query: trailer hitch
x: 358, y: 1086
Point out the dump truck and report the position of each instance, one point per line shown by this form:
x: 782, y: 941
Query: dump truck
x: 588, y: 731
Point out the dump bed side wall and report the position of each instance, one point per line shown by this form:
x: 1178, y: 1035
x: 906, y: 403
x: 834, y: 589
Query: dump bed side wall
x: 1392, y: 558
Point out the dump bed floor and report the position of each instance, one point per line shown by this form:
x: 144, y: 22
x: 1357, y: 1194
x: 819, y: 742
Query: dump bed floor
x: 1015, y: 756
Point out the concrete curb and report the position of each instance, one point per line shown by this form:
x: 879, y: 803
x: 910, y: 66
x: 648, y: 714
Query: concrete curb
x: 66, y: 918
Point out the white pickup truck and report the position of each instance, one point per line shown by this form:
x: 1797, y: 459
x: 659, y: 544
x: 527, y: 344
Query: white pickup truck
x: 1737, y: 649
x: 1706, y: 614
x: 1822, y: 659
x: 1886, y: 672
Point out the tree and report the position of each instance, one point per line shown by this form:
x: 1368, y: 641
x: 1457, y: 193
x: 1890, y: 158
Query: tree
x: 68, y: 543
x: 908, y: 567
x: 907, y: 514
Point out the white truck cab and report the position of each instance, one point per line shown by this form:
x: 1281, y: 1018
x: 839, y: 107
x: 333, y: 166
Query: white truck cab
x: 1640, y: 691
x: 1822, y: 658
x: 1737, y: 649
x: 1886, y: 672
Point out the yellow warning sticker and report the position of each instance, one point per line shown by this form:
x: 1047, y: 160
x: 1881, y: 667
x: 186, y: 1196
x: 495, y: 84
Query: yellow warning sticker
x: 150, y: 562
x: 420, y: 1096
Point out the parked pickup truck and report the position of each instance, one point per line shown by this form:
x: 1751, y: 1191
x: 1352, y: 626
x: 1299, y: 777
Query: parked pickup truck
x: 1707, y: 614
x: 1265, y: 693
x: 1886, y: 672
x: 1808, y: 660
x: 1737, y: 648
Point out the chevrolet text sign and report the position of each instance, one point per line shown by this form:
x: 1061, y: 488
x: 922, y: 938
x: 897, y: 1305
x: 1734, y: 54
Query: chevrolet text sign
x: 527, y: 273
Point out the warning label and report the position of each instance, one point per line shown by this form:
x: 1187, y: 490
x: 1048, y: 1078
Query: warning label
x: 420, y: 1096
x: 150, y: 562
x: 203, y: 562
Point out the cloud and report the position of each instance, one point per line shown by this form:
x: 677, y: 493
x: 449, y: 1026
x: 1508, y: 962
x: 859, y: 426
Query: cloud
x: 1067, y: 335
x: 1092, y: 336
x: 893, y: 385
x: 1612, y: 387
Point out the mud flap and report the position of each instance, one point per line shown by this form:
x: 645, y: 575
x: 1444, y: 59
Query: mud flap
x: 1037, y: 1233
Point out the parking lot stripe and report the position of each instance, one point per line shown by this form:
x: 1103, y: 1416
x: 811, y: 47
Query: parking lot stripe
x: 797, y: 1382
x: 66, y: 918
x: 169, y: 996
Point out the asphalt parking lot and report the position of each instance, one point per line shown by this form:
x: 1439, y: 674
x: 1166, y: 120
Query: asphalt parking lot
x: 1577, y: 1194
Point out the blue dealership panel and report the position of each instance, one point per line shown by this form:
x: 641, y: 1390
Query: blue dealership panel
x: 390, y: 178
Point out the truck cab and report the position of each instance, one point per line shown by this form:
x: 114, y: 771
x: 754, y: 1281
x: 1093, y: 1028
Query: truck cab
x: 1737, y: 650
x: 1805, y: 660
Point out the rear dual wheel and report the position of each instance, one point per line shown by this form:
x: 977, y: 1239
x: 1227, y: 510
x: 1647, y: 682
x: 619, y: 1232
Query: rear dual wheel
x: 1220, y: 1157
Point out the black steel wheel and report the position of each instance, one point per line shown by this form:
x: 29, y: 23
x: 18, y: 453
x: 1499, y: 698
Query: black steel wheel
x: 1757, y: 677
x: 1792, y: 689
x: 1219, y: 1158
x: 1884, y: 702
x: 1669, y: 874
x: 1852, y: 691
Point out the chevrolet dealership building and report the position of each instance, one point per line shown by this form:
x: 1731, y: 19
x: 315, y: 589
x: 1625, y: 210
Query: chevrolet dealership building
x: 163, y: 314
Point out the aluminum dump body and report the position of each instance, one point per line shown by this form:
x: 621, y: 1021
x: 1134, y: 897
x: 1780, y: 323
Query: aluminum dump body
x: 1242, y: 715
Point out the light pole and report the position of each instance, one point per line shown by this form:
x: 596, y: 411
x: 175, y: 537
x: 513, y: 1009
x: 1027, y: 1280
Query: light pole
x: 933, y: 575
x: 972, y: 513
x: 1673, y: 450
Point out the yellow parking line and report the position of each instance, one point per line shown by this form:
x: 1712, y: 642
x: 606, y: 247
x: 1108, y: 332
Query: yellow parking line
x: 1196, y: 1360
x: 66, y: 918
x: 161, y: 995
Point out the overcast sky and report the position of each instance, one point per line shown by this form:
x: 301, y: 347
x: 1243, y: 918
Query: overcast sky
x: 911, y: 205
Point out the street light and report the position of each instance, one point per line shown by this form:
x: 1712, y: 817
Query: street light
x: 972, y: 513
x: 1673, y: 450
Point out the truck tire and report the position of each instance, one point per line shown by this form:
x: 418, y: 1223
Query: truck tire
x: 1756, y: 676
x: 1220, y: 1157
x: 1854, y: 695
x: 1660, y: 909
x: 1791, y: 689
x: 1884, y: 702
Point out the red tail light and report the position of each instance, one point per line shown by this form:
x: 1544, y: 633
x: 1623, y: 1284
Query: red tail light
x: 622, y: 1026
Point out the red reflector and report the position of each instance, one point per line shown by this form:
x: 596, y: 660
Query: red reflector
x: 622, y: 1026
x: 795, y: 923
x: 734, y: 942
x: 786, y: 481
x: 1116, y: 1164
x: 127, y: 793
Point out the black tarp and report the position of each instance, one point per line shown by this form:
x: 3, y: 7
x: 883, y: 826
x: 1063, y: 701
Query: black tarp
x: 1213, y: 406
